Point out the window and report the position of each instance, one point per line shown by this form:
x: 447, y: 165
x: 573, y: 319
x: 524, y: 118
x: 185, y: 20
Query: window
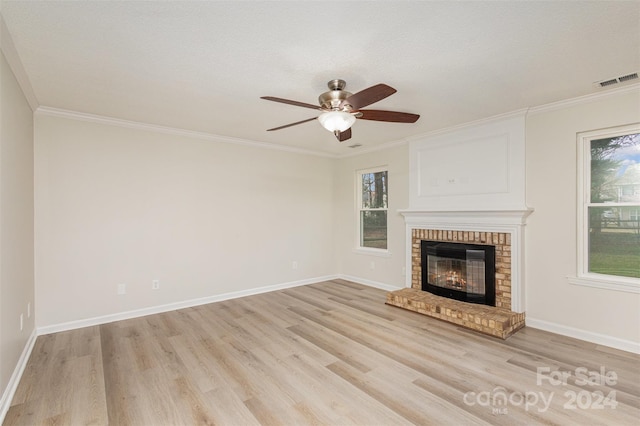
x: 372, y: 208
x: 609, y: 201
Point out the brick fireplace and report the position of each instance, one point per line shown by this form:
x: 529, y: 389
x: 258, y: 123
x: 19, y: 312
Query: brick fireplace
x: 504, y: 231
x: 467, y: 184
x: 501, y: 241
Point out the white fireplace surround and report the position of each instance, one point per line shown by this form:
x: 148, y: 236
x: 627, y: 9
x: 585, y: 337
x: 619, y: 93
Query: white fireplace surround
x: 472, y: 178
x: 504, y: 221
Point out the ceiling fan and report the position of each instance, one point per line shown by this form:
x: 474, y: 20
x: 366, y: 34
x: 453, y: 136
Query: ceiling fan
x: 340, y: 109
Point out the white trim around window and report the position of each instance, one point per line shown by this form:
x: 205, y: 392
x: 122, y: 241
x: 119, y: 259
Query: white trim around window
x: 360, y: 207
x: 583, y: 276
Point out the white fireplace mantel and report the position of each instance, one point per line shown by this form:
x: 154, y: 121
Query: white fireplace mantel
x: 467, y: 220
x: 473, y: 179
x: 504, y: 221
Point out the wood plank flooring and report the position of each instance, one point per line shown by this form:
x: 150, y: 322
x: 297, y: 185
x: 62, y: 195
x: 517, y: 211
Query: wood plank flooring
x: 330, y: 353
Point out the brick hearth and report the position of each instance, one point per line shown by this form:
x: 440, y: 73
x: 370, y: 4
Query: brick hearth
x: 497, y: 321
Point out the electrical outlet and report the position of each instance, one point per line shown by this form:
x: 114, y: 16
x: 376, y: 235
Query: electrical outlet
x: 294, y: 264
x: 29, y: 310
x: 372, y: 265
x: 122, y: 289
x: 155, y: 284
x: 21, y: 321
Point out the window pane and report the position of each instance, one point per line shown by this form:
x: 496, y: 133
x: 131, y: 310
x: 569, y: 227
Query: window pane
x: 615, y: 169
x: 614, y: 241
x: 374, y: 229
x: 374, y: 190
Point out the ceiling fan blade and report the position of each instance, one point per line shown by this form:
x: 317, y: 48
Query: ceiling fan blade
x: 343, y: 136
x: 290, y: 102
x: 368, y: 96
x: 292, y: 124
x: 392, y: 116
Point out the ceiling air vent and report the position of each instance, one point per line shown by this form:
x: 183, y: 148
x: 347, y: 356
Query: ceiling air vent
x: 608, y: 82
x: 628, y: 77
x: 617, y: 80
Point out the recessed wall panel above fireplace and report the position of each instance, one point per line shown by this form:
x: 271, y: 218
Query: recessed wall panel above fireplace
x: 480, y: 166
x: 464, y: 167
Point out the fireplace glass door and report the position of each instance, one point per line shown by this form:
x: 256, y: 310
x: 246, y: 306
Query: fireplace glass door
x: 459, y: 271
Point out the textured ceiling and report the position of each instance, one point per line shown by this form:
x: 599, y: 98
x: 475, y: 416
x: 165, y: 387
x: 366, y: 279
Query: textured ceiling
x: 203, y: 66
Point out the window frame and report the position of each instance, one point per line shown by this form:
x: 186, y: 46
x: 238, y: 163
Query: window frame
x: 583, y: 276
x: 359, y: 248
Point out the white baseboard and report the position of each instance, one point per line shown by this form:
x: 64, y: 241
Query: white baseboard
x: 10, y: 390
x: 72, y: 325
x: 600, y: 339
x: 589, y: 336
x: 88, y: 322
x: 370, y: 283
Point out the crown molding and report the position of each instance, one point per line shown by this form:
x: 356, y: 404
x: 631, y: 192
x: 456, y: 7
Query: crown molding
x: 118, y: 122
x: 470, y: 124
x: 566, y: 103
x: 13, y: 59
x: 227, y: 139
x: 94, y: 118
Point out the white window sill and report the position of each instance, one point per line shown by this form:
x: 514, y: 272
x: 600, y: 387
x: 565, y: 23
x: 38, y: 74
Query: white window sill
x: 629, y: 285
x: 372, y: 252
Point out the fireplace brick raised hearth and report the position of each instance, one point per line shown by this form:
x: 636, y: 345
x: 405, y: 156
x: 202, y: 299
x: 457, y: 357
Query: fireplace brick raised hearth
x: 496, y: 320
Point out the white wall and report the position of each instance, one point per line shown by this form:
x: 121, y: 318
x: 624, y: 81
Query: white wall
x: 553, y: 303
x: 16, y: 227
x: 388, y: 270
x: 131, y: 205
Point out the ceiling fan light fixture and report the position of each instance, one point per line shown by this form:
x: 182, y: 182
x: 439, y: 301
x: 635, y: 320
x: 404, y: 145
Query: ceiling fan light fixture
x: 336, y: 120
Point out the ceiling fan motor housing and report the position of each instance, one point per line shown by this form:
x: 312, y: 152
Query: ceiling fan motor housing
x: 332, y: 99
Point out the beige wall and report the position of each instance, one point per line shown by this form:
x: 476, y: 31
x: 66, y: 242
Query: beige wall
x: 551, y: 230
x: 388, y: 270
x: 125, y: 205
x: 16, y: 223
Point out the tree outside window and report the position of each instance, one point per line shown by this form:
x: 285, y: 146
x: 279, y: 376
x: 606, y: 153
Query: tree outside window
x: 613, y: 228
x: 373, y: 186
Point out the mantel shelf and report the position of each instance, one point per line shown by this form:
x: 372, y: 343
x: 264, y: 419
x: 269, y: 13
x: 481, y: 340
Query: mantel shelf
x: 456, y: 217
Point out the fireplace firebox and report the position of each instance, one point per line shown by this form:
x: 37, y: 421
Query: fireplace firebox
x: 459, y: 271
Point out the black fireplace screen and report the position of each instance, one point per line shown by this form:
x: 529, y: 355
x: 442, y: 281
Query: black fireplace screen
x: 459, y: 271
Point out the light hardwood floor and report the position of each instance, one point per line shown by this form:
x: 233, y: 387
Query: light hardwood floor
x: 330, y: 353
